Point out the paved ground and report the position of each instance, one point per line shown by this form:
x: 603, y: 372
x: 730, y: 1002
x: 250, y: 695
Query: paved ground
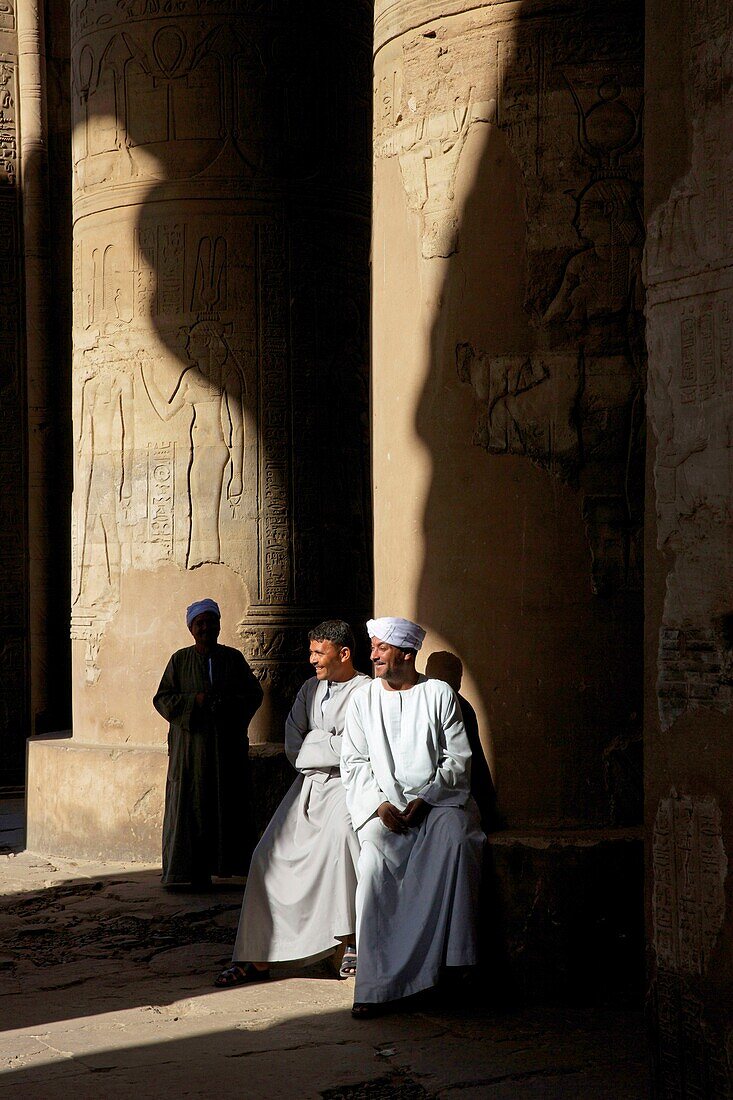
x: 105, y: 991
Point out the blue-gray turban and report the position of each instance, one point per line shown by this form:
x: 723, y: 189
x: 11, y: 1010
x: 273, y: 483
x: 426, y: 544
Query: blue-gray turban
x: 199, y: 607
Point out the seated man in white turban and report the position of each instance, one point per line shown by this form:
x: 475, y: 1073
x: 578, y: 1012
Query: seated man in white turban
x: 208, y: 694
x: 405, y: 764
x: 299, y: 904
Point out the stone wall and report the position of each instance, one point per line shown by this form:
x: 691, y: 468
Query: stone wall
x: 689, y: 601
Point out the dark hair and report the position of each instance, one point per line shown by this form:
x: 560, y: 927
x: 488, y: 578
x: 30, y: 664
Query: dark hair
x: 335, y: 631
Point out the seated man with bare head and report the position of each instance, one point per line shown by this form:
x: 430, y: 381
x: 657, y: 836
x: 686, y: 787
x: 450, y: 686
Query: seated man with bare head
x: 299, y: 904
x: 405, y: 763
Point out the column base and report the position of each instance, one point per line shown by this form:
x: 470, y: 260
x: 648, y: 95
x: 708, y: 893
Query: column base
x: 564, y: 914
x: 105, y: 802
x: 95, y: 801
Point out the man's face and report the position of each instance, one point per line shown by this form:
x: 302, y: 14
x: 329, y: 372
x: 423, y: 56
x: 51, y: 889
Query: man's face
x: 326, y: 659
x: 388, y: 660
x: 205, y: 628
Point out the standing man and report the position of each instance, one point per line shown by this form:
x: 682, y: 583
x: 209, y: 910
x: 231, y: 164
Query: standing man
x: 208, y: 694
x: 299, y: 902
x: 405, y: 764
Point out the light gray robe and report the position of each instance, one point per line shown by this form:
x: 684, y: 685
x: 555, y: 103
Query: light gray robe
x: 299, y: 900
x: 417, y: 896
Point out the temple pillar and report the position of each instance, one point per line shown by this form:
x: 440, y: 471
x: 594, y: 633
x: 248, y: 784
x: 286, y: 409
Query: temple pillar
x: 508, y: 373
x: 13, y: 429
x: 220, y: 283
x: 689, y: 569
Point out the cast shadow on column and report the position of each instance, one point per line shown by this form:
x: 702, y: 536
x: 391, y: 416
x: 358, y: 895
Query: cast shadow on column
x: 532, y: 416
x: 223, y: 325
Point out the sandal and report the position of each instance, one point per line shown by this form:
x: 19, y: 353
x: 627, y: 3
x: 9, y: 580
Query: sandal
x: 360, y: 1010
x: 238, y: 974
x: 348, y: 962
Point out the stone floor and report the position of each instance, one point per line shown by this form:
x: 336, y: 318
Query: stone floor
x: 105, y: 991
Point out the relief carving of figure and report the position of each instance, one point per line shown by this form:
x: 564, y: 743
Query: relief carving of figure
x: 211, y: 390
x: 599, y: 308
x: 104, y: 450
x: 572, y: 402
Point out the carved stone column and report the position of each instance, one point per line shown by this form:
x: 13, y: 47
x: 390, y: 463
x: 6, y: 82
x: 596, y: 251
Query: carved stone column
x: 508, y: 431
x: 221, y: 214
x: 13, y: 546
x: 689, y: 566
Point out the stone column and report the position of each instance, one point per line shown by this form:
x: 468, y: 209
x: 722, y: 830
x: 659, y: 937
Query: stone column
x: 220, y: 321
x: 508, y: 371
x: 689, y: 569
x: 13, y: 544
x: 34, y: 189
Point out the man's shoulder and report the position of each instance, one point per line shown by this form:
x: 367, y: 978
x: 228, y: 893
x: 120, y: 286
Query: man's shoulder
x: 437, y: 690
x: 307, y: 690
x: 363, y: 687
x: 185, y: 653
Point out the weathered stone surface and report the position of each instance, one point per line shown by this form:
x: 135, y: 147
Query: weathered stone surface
x: 562, y: 914
x: 508, y: 380
x: 95, y: 801
x: 690, y: 334
x: 689, y: 644
x: 121, y: 1025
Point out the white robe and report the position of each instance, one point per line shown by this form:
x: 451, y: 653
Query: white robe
x: 299, y: 899
x: 417, y: 895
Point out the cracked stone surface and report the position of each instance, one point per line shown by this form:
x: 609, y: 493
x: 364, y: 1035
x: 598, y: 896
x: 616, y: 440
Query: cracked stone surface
x: 106, y: 990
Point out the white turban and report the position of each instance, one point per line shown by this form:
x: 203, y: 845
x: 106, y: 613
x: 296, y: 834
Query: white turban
x: 396, y: 631
x: 199, y: 607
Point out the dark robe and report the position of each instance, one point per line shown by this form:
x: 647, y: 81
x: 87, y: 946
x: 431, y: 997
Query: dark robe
x: 207, y: 827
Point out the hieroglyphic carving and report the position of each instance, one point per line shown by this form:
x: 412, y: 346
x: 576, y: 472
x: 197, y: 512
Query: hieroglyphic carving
x: 693, y: 228
x: 161, y: 495
x: 275, y: 575
x: 138, y: 96
x: 690, y: 402
x: 8, y: 121
x: 688, y: 904
x: 690, y: 868
x: 276, y: 651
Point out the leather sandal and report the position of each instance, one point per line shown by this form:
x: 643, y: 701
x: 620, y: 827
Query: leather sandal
x: 240, y: 974
x: 348, y: 963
